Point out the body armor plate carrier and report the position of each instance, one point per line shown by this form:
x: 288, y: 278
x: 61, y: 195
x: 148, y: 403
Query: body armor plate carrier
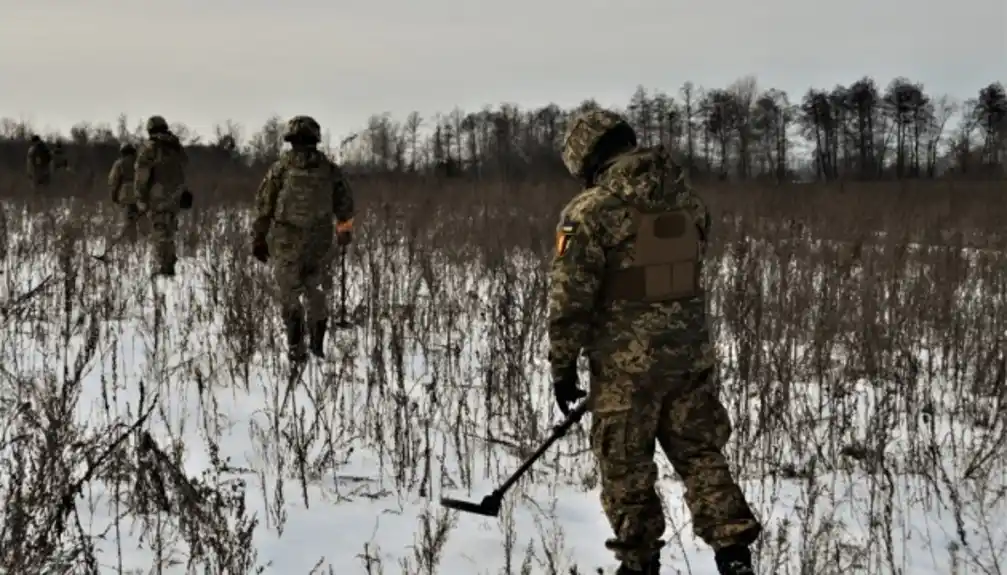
x: 666, y: 261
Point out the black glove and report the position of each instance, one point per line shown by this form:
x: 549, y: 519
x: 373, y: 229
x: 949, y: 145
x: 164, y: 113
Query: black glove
x: 260, y: 249
x: 566, y: 388
x: 344, y: 238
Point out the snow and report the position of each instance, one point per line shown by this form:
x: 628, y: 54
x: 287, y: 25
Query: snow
x: 385, y: 442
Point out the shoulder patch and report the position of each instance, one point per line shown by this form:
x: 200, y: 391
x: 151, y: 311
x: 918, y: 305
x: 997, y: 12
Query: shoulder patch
x: 563, y: 236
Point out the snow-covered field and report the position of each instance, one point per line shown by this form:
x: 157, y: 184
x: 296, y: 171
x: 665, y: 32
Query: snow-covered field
x: 437, y: 391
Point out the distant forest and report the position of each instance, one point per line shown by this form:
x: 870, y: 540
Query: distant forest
x: 740, y: 132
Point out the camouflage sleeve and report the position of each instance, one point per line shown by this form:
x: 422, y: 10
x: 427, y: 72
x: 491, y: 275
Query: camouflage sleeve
x: 688, y: 199
x: 143, y: 176
x: 576, y: 277
x: 701, y: 214
x: 115, y: 180
x: 184, y: 160
x: 265, y: 199
x: 342, y: 200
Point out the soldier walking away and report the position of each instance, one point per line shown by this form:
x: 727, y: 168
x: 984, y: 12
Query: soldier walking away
x: 293, y: 227
x: 625, y: 289
x: 120, y: 185
x: 59, y: 161
x: 159, y: 185
x: 39, y: 165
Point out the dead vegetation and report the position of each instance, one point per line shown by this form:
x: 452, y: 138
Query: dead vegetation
x: 861, y: 326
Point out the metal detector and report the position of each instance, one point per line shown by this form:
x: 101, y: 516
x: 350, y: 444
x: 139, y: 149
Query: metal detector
x: 490, y: 505
x: 342, y: 322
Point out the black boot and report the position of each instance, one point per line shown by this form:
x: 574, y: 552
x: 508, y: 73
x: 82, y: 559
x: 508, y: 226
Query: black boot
x: 166, y: 267
x: 295, y: 337
x: 735, y: 560
x: 318, y: 338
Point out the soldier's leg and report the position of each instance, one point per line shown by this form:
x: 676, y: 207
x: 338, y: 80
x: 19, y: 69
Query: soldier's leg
x: 163, y: 241
x: 694, y: 429
x: 286, y: 250
x: 623, y: 430
x: 318, y: 285
x: 129, y: 231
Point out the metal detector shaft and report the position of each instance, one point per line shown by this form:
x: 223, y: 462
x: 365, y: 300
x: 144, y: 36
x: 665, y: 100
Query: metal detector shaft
x: 557, y: 433
x: 490, y: 505
x: 343, y: 322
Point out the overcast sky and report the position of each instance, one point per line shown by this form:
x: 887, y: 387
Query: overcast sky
x: 204, y: 61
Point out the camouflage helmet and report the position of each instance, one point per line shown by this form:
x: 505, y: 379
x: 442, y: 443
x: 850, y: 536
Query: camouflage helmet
x: 584, y: 131
x: 303, y: 127
x: 156, y: 124
x: 127, y: 149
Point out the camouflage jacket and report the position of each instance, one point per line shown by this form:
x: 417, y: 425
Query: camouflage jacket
x: 304, y: 189
x: 120, y: 181
x: 596, y: 234
x: 159, y: 173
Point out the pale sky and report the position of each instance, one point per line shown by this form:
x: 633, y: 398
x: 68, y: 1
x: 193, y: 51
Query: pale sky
x: 203, y: 62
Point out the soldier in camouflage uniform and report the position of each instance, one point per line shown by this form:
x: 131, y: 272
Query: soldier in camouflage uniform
x: 294, y: 206
x: 625, y: 289
x: 59, y: 160
x: 159, y: 185
x: 120, y: 185
x: 39, y: 164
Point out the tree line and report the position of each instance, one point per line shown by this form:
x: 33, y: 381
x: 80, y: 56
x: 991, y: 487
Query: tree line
x: 860, y: 131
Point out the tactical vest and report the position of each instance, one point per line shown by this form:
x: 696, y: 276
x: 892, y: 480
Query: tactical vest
x: 666, y: 260
x: 306, y: 196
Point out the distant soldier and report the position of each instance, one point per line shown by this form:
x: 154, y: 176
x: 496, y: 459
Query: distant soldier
x: 294, y: 208
x: 159, y: 185
x: 120, y: 185
x: 59, y: 161
x: 625, y: 290
x: 39, y: 162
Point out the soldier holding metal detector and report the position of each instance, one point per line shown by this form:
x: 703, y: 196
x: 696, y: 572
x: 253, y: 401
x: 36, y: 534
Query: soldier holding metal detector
x: 626, y: 292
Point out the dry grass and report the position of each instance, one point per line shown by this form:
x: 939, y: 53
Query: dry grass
x: 851, y: 358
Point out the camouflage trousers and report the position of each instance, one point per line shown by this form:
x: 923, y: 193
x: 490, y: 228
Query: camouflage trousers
x: 302, y: 267
x: 164, y: 225
x: 40, y: 181
x: 692, y: 429
x: 131, y: 223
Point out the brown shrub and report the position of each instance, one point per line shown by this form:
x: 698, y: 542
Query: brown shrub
x: 862, y: 358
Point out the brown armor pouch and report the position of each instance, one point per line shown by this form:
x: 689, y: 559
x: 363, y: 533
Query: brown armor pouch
x: 665, y: 260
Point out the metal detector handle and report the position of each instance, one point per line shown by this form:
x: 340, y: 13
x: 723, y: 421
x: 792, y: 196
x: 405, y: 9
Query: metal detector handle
x: 557, y: 432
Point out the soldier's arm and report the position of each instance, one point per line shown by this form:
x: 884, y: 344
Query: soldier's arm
x: 184, y: 160
x: 143, y: 175
x: 701, y: 214
x: 265, y: 199
x: 691, y: 201
x: 342, y: 200
x: 115, y: 180
x: 578, y: 269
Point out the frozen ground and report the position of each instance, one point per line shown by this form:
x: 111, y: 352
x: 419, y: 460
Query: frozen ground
x: 408, y: 410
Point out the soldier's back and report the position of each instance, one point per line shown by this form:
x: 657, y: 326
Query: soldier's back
x: 305, y: 198
x: 653, y: 310
x: 165, y: 157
